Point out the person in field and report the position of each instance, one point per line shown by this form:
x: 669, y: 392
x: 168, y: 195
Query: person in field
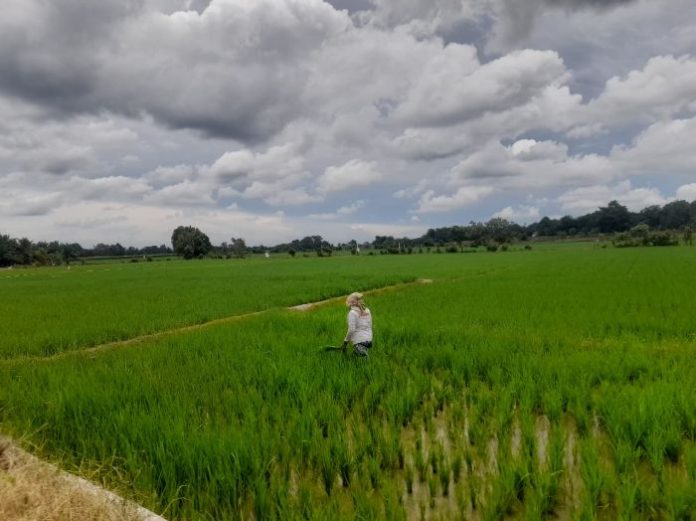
x: 359, y: 325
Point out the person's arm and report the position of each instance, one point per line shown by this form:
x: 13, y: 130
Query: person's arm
x: 352, y: 326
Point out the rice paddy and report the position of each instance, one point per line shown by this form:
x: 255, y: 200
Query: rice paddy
x: 552, y: 383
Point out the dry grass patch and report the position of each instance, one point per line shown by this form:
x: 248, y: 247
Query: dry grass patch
x: 34, y: 491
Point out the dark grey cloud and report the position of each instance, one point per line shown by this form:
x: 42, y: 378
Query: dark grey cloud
x: 516, y: 18
x: 236, y: 70
x: 580, y: 4
x: 352, y: 6
x: 49, y: 51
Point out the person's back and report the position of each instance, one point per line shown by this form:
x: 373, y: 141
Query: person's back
x: 359, y: 325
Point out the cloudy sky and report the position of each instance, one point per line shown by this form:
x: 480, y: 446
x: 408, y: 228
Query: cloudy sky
x: 275, y: 119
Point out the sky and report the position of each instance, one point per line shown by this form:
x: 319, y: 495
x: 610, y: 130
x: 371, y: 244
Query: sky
x: 275, y: 119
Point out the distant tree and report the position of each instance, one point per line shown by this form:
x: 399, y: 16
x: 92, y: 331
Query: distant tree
x: 70, y: 252
x: 25, y: 251
x: 650, y: 216
x: 501, y: 230
x: 8, y: 251
x: 568, y: 225
x: 614, y: 218
x: 190, y: 242
x: 547, y: 227
x: 675, y: 215
x: 238, y: 247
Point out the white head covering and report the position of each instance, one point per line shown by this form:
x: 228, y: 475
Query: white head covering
x: 355, y: 300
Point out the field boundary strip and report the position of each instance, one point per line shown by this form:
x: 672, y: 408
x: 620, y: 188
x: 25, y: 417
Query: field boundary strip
x: 14, y: 456
x: 107, y: 346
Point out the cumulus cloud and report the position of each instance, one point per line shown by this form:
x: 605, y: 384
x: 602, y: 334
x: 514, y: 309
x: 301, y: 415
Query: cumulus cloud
x: 351, y: 208
x: 531, y: 164
x: 665, y: 146
x: 245, y: 166
x: 587, y: 199
x: 665, y: 87
x: 520, y: 214
x: 354, y: 173
x: 236, y: 69
x: 516, y: 18
x: 455, y: 87
x: 171, y: 175
x: 185, y: 107
x: 463, y: 197
x: 687, y: 192
x: 16, y: 203
x: 422, y: 18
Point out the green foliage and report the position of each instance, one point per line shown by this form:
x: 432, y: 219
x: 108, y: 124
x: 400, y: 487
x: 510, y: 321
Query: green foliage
x: 189, y: 242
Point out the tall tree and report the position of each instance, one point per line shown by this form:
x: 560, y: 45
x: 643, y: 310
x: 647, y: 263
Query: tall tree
x: 675, y: 215
x: 190, y: 242
x: 613, y: 218
x: 238, y: 247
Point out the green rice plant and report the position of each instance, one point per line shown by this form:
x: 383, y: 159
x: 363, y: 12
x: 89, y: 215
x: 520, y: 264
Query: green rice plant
x: 457, y: 464
x: 543, y: 498
x: 445, y: 475
x: 690, y: 462
x: 421, y: 466
x: 375, y: 473
x: 474, y: 486
x: 545, y: 482
x: 626, y: 456
x: 627, y: 498
x: 345, y: 463
x: 393, y: 509
x: 408, y: 477
x: 469, y: 459
x: 432, y: 490
x: 556, y: 451
x: 593, y: 477
x: 680, y: 501
x: 364, y: 507
x: 435, y: 457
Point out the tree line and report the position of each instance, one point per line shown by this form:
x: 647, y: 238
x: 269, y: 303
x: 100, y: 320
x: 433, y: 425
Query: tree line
x: 25, y: 252
x: 614, y: 218
x: 649, y: 226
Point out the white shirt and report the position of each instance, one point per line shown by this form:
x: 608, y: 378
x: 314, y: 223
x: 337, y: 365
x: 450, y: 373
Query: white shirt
x: 359, y: 326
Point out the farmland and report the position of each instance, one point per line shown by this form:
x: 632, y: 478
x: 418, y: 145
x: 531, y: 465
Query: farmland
x: 556, y: 382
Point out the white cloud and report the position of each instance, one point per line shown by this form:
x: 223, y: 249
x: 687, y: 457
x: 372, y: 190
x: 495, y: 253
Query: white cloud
x: 665, y: 87
x: 351, y: 208
x: 186, y: 193
x: 431, y: 203
x: 687, y: 192
x: 245, y: 165
x: 532, y: 150
x: 519, y: 214
x: 352, y: 174
x: 455, y: 87
x: 411, y: 191
x: 588, y: 199
x: 171, y: 175
x: 665, y: 146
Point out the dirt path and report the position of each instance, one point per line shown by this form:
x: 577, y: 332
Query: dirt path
x: 33, y: 490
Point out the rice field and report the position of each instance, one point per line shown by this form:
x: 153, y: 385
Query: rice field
x: 556, y: 383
